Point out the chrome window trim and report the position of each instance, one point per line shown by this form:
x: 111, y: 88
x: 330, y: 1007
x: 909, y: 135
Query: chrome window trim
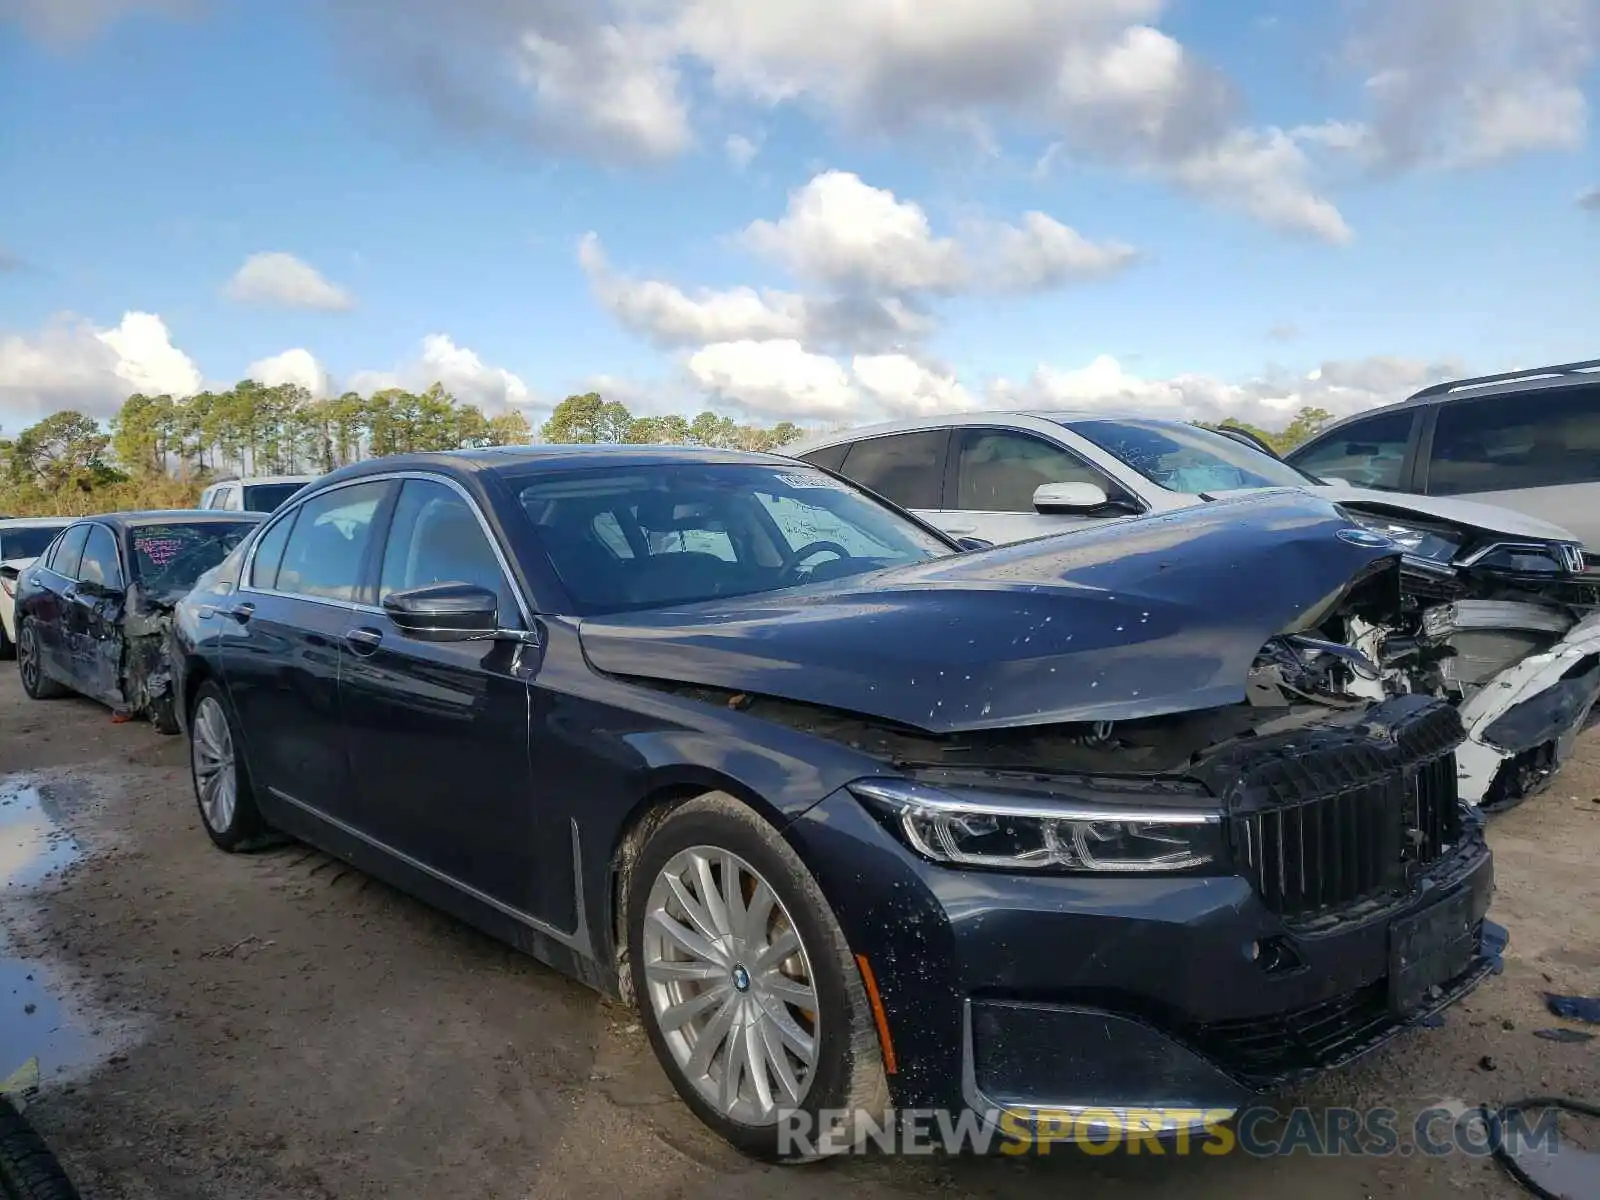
x: 248, y: 573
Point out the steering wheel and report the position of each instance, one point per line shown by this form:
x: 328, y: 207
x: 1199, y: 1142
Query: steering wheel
x: 791, y: 565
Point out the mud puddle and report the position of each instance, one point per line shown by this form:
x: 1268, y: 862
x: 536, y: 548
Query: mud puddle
x: 45, y: 1037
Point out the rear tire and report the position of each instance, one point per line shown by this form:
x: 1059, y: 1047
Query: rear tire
x: 35, y: 682
x: 222, y: 785
x: 772, y: 997
x: 28, y: 1170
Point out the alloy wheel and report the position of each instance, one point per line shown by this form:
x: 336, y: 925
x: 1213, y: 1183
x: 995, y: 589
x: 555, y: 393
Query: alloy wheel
x: 216, y: 781
x: 730, y: 985
x: 28, y: 657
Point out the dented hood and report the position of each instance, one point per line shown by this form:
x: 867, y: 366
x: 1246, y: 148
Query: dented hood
x: 1128, y: 619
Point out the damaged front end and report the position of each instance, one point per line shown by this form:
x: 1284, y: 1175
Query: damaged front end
x: 1507, y: 630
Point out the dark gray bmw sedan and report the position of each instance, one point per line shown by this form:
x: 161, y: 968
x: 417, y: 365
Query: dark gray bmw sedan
x: 862, y: 820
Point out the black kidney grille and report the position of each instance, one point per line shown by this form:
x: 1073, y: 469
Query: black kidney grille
x: 1340, y: 826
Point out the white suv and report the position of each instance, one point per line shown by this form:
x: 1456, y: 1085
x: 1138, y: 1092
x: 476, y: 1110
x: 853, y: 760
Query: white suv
x: 263, y: 493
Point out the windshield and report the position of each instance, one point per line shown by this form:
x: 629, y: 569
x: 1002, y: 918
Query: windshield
x: 1186, y: 458
x: 167, y: 559
x: 266, y: 497
x: 27, y: 542
x: 645, y: 537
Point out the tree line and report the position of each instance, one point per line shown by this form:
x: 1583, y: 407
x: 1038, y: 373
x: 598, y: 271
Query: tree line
x: 161, y: 451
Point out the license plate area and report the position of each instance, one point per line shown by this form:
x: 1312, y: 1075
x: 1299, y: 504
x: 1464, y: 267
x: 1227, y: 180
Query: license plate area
x: 1428, y: 949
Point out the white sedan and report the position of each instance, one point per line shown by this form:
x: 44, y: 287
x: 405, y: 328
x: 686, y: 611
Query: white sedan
x: 21, y: 541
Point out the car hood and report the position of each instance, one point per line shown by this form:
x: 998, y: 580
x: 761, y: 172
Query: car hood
x: 1487, y: 518
x: 1118, y: 621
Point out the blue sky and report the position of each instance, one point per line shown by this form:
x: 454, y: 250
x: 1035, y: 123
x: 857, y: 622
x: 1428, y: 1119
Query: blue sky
x: 1207, y: 208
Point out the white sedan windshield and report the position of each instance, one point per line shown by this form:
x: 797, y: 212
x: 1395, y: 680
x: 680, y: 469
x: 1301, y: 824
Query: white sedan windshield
x: 1187, y: 458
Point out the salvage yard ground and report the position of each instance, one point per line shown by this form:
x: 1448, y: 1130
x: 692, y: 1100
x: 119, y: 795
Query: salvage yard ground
x: 282, y: 1026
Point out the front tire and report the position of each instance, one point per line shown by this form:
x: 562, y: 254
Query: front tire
x: 746, y: 987
x: 221, y: 781
x: 35, y: 682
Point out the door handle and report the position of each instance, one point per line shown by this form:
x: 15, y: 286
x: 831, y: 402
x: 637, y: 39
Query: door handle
x: 363, y: 641
x: 240, y: 612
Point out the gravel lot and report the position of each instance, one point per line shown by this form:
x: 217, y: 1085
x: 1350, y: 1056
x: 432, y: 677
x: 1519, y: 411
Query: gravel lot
x: 280, y: 1025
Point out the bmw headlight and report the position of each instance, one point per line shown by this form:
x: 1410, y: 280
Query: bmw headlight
x: 1417, y: 541
x: 1022, y: 833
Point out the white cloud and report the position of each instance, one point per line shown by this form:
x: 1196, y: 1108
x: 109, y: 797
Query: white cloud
x: 850, y: 236
x: 844, y: 233
x: 607, y: 77
x: 459, y: 370
x: 741, y: 151
x: 70, y: 364
x: 74, y: 20
x: 782, y: 380
x: 669, y: 316
x: 1042, y: 253
x: 1461, y: 82
x: 779, y: 379
x: 1265, y: 173
x: 281, y: 280
x: 904, y: 387
x: 297, y: 367
x: 1340, y: 387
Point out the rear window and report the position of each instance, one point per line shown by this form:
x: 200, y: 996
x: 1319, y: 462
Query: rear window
x: 29, y: 542
x: 168, y: 559
x: 1515, y: 441
x: 266, y: 497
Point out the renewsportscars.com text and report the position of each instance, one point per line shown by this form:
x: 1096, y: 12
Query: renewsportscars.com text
x: 1262, y: 1132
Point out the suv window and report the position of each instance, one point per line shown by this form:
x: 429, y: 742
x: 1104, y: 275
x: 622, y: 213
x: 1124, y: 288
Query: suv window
x: 27, y: 541
x: 329, y: 542
x: 998, y: 470
x: 1515, y: 441
x: 100, y: 563
x: 435, y: 537
x: 830, y: 457
x: 266, y: 497
x: 69, y: 550
x: 907, y: 468
x: 1368, y: 453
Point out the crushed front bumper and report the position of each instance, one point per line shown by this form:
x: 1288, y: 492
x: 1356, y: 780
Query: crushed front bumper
x: 1521, y: 726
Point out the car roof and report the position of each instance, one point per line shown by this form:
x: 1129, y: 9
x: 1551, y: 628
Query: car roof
x: 252, y: 480
x: 553, y: 457
x: 1059, y: 416
x: 36, y: 522
x: 174, y: 516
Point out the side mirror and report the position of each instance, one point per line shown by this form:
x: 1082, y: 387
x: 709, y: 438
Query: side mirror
x: 445, y: 612
x: 1077, y: 498
x: 972, y: 543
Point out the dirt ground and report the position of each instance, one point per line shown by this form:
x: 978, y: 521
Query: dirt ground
x: 281, y: 1025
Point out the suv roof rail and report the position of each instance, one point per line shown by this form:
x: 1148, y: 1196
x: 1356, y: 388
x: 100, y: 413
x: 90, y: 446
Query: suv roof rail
x: 1558, y: 369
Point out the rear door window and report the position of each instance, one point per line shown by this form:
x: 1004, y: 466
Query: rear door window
x: 907, y: 468
x: 1516, y: 441
x: 1368, y: 453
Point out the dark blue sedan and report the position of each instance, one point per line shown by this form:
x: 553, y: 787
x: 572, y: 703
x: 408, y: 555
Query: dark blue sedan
x: 857, y: 818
